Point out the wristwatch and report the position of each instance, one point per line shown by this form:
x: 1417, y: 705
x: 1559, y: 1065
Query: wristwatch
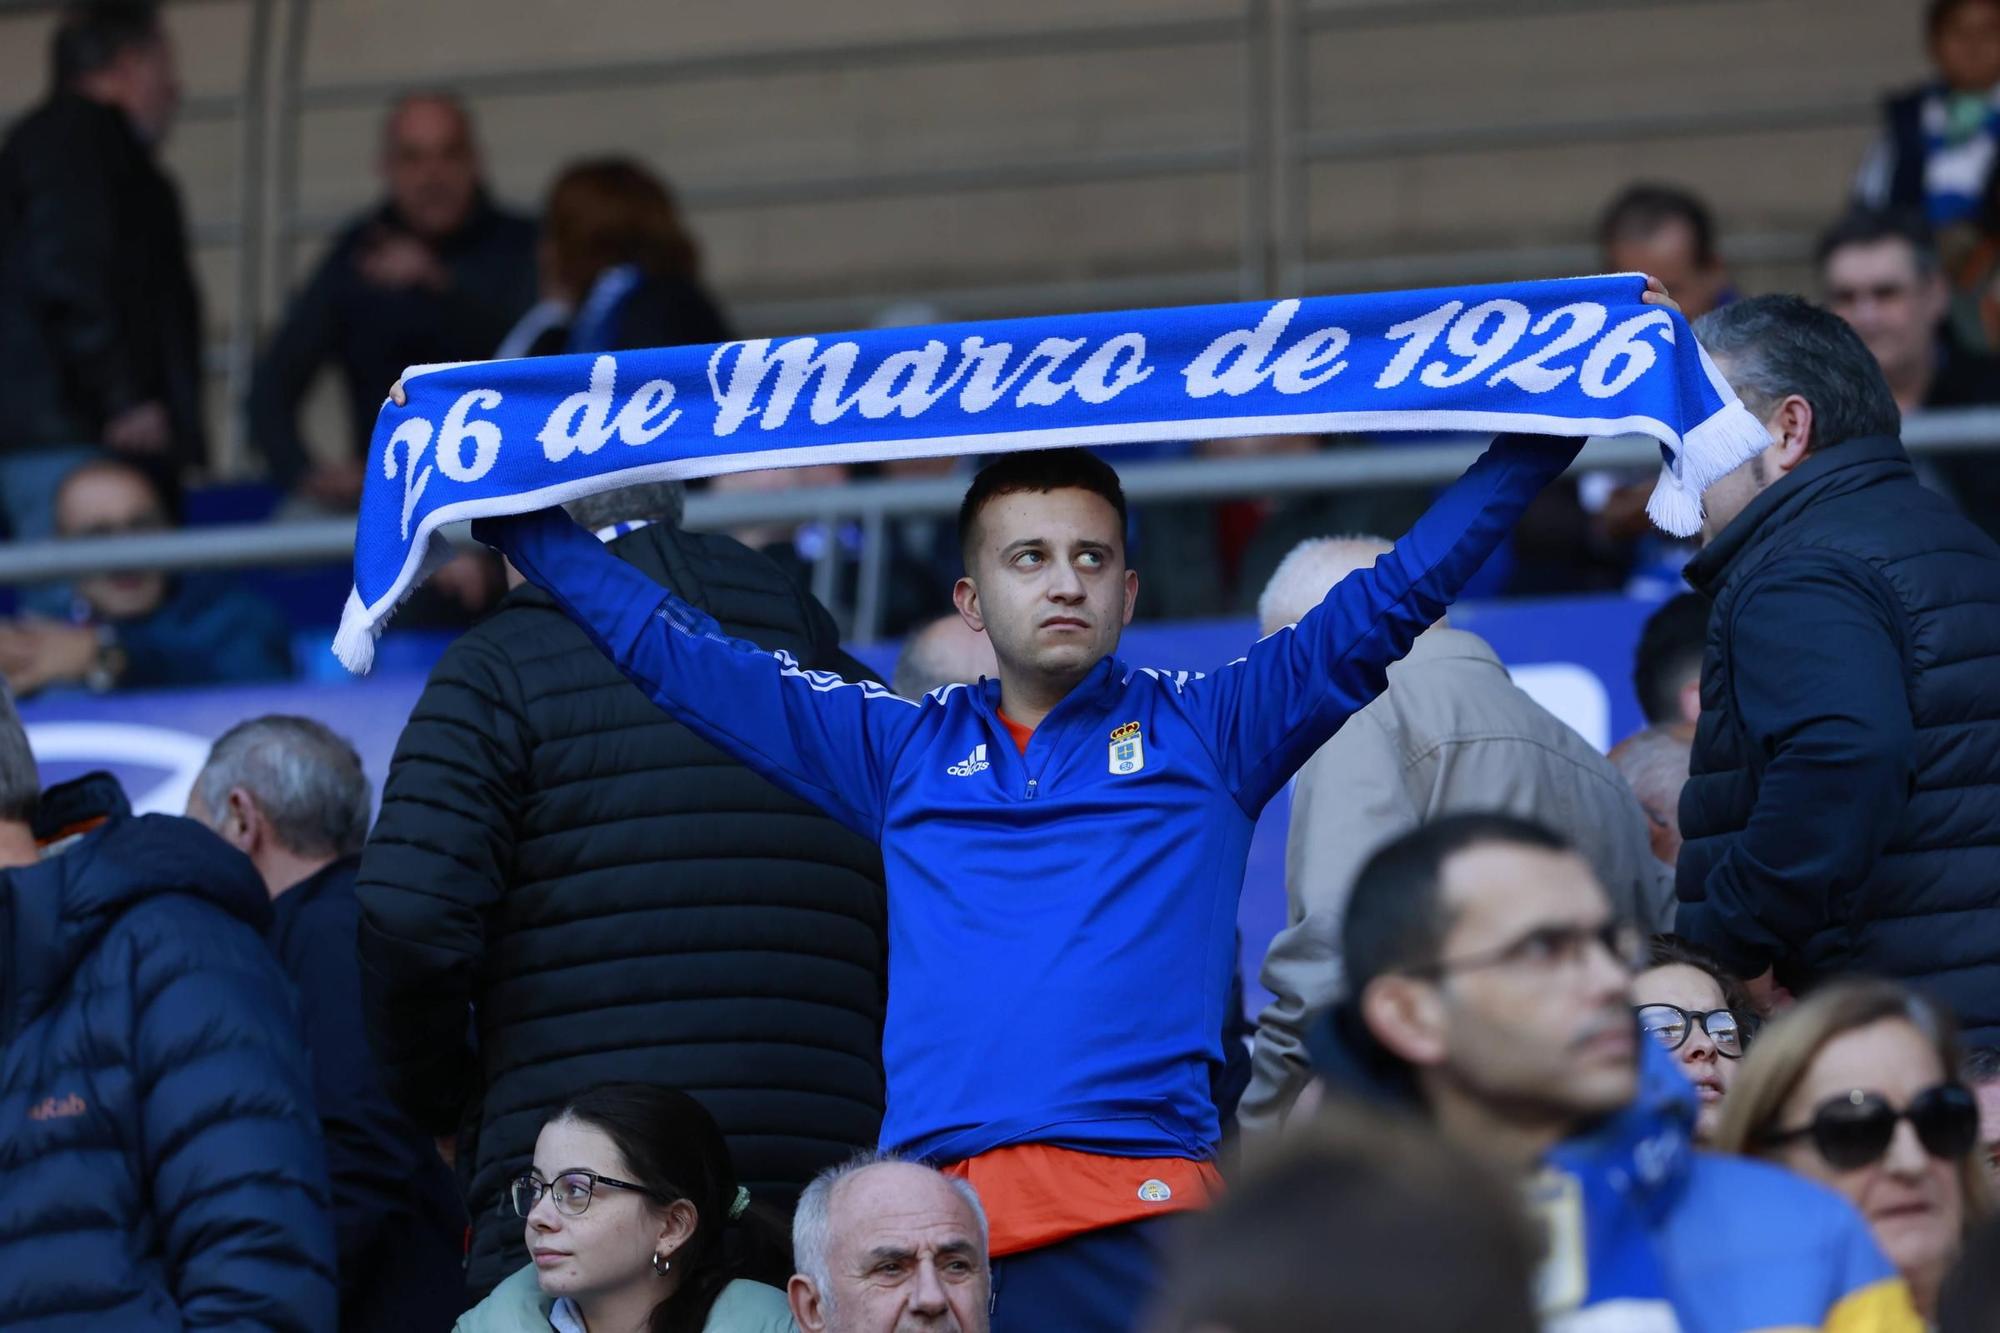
x: 109, y: 663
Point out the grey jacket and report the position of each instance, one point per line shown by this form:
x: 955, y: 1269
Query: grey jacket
x: 1452, y: 733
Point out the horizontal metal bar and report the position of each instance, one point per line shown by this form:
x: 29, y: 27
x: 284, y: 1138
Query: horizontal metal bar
x: 1679, y: 122
x: 1399, y: 13
x: 804, y: 58
x: 332, y: 540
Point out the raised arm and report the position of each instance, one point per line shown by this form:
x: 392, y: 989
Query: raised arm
x: 1266, y: 713
x: 827, y: 740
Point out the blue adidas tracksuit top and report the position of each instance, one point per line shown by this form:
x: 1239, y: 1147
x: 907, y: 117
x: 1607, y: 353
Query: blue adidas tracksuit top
x: 1061, y: 923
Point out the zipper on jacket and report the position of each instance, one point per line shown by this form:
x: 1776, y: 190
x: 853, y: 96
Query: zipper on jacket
x: 1031, y: 788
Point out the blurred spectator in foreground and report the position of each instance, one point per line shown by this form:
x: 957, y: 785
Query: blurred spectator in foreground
x: 141, y: 629
x: 1981, y: 1071
x: 1970, y: 1301
x: 436, y: 272
x: 945, y: 652
x: 1841, y: 814
x: 884, y: 1245
x: 1654, y: 764
x: 1691, y: 1007
x: 1357, y: 1222
x: 1936, y: 153
x: 1857, y: 1088
x: 635, y: 1221
x: 100, y: 323
x: 1451, y: 733
x: 1666, y: 666
x: 162, y: 1168
x: 1491, y: 987
x: 291, y: 796
x: 1881, y: 275
x: 618, y: 268
x: 548, y: 837
x: 1667, y: 232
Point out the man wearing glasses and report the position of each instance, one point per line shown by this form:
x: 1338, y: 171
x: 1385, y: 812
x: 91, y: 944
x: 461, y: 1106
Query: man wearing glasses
x: 1491, y: 986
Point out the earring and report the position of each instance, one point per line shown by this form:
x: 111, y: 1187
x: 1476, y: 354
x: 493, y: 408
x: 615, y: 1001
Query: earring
x: 661, y: 1264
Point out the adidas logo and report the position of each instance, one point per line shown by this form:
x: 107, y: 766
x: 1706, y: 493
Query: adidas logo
x: 972, y: 763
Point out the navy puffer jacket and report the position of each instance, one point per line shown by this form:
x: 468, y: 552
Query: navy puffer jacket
x: 160, y: 1163
x: 1842, y: 811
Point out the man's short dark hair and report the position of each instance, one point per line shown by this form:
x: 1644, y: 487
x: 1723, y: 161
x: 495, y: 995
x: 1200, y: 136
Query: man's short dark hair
x: 1038, y: 471
x: 1775, y: 346
x: 93, y: 33
x: 1669, y: 652
x: 1872, y: 226
x: 1357, y: 1221
x: 1395, y: 916
x: 1939, y: 11
x: 1643, y: 208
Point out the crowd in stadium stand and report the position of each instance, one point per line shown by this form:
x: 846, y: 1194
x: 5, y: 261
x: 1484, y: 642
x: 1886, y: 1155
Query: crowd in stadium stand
x: 690, y: 978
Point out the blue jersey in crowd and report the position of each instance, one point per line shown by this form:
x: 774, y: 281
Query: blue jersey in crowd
x: 1061, y: 921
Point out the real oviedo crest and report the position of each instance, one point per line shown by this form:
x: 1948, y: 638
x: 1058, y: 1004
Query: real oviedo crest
x: 1128, y: 750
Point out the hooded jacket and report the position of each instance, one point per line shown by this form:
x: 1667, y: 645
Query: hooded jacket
x: 1637, y: 1217
x: 160, y: 1166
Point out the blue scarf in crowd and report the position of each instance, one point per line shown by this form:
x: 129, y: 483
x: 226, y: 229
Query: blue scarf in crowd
x: 1568, y: 357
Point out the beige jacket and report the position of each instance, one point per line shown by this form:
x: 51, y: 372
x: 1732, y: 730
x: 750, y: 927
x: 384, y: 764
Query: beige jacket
x: 1451, y: 734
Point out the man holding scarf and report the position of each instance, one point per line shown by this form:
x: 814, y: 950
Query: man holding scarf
x: 1064, y: 846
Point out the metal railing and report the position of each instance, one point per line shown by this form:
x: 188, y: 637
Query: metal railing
x: 874, y: 504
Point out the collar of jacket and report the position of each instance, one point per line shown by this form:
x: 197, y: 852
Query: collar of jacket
x: 1099, y: 681
x: 1442, y: 642
x: 1846, y: 466
x: 1641, y: 1152
x: 482, y: 212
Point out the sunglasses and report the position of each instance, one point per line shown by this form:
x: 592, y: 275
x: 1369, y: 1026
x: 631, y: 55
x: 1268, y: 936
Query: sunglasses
x: 1854, y: 1129
x: 1671, y: 1026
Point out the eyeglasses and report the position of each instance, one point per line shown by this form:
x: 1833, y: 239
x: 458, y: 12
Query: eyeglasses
x: 1546, y: 949
x: 1671, y: 1026
x: 571, y: 1191
x: 1854, y: 1130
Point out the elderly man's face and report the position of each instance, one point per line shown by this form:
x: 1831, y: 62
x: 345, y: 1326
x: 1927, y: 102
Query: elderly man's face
x: 431, y: 165
x: 906, y: 1257
x: 105, y: 502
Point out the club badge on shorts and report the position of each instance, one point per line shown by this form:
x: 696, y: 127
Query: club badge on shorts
x: 1128, y: 751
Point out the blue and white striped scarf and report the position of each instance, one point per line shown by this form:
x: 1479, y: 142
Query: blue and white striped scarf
x: 1568, y: 357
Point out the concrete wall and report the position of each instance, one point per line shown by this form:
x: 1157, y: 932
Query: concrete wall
x: 1438, y: 69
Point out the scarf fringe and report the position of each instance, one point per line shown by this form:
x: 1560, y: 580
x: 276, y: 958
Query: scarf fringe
x: 1708, y: 452
x: 354, y: 641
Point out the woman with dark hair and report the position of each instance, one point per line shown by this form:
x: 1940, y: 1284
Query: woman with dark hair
x: 618, y: 268
x: 1695, y: 1009
x: 636, y: 1224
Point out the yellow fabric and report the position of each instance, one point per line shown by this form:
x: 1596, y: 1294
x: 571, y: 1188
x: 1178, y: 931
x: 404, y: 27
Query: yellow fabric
x: 1879, y: 1307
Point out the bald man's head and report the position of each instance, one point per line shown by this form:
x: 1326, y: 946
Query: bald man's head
x: 945, y: 652
x: 430, y: 163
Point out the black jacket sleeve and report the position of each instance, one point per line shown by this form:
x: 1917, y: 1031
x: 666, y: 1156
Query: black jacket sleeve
x: 369, y: 1164
x: 1816, y: 665
x: 69, y: 229
x: 441, y: 854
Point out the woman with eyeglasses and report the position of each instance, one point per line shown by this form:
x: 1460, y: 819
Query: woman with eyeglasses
x: 635, y: 1224
x: 1856, y: 1087
x: 1689, y: 1005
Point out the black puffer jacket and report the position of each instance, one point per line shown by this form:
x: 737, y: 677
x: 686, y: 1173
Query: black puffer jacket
x: 1842, y: 812
x: 616, y: 900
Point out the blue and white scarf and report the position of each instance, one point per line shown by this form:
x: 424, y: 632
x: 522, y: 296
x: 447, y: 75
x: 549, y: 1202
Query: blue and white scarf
x: 1579, y: 356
